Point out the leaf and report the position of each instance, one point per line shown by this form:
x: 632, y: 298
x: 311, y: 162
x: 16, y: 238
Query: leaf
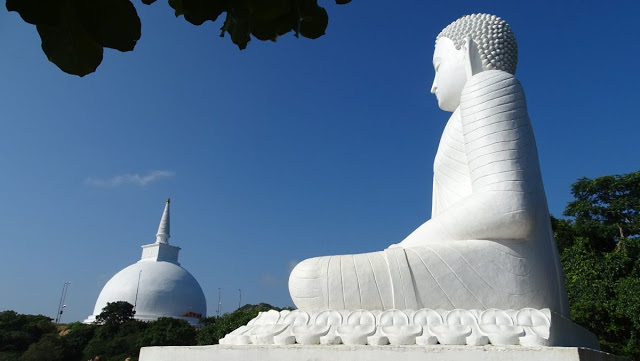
x: 177, y: 6
x: 313, y: 19
x: 148, y: 2
x: 36, y: 11
x: 271, y: 30
x: 265, y: 10
x: 69, y: 45
x: 269, y: 20
x: 238, y: 29
x: 198, y: 11
x: 342, y: 2
x: 112, y: 23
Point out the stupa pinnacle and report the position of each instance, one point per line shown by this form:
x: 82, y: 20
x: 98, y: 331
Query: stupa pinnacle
x: 164, y: 228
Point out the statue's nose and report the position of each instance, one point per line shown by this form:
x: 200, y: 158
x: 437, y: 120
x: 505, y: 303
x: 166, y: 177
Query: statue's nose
x: 434, y: 86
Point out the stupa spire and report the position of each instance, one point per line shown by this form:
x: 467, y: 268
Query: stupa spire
x: 164, y: 228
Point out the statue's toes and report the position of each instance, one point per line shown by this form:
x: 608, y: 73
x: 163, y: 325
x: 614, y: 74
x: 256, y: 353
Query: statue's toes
x: 307, y: 283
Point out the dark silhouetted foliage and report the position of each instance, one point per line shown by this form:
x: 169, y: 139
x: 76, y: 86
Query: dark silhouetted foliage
x: 74, y: 33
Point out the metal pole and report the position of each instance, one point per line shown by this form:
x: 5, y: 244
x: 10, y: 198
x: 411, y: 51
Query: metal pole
x: 135, y: 303
x: 61, y: 305
x: 61, y: 311
x: 240, y: 299
x: 66, y: 290
x: 218, y: 310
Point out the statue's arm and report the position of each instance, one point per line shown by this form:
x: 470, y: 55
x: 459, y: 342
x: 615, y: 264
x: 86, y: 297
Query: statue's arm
x: 503, y: 165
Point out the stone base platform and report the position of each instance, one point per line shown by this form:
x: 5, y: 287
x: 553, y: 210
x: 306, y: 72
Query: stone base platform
x: 371, y: 353
x: 527, y: 327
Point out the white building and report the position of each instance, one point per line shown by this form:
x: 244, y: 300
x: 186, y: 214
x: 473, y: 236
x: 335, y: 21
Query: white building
x: 156, y: 285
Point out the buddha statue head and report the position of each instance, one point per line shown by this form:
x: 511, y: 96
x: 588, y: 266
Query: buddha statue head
x: 467, y: 46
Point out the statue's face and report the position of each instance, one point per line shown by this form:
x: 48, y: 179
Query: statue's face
x: 451, y: 74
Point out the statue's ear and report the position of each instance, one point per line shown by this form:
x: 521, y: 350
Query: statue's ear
x: 472, y: 57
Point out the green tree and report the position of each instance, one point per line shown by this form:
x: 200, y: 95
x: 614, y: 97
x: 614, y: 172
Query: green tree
x: 606, y: 209
x: 600, y: 252
x: 167, y: 331
x: 117, y: 337
x: 74, y: 33
x: 18, y: 332
x: 76, y: 337
x: 563, y: 232
x: 117, y: 343
x: 115, y: 313
x: 49, y: 348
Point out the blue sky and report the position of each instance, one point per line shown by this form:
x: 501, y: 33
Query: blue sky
x: 277, y: 153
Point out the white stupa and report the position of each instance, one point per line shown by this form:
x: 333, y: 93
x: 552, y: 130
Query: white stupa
x: 156, y: 285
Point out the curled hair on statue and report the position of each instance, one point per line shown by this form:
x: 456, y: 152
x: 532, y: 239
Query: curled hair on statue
x: 494, y: 38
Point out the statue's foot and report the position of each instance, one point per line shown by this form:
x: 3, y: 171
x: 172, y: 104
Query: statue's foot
x: 472, y: 274
x: 373, y: 281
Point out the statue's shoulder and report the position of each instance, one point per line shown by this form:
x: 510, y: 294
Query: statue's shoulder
x: 490, y: 81
x: 488, y: 88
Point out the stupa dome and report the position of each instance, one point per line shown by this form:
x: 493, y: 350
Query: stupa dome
x: 156, y: 285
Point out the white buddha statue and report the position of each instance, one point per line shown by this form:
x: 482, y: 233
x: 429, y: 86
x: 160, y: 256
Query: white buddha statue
x: 489, y: 242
